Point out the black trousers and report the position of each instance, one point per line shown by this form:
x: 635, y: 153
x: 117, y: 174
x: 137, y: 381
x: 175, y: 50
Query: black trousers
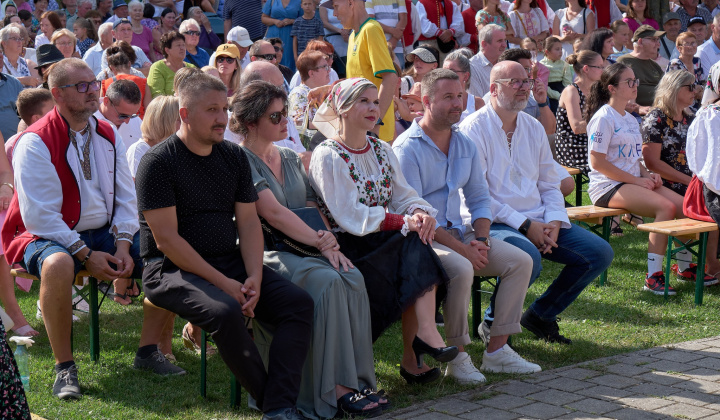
x: 283, y: 306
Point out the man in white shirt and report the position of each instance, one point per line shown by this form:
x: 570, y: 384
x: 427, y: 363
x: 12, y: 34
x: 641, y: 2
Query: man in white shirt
x: 74, y: 209
x: 492, y: 43
x: 709, y: 51
x: 119, y: 107
x: 527, y: 205
x: 94, y: 55
x: 122, y: 31
x: 120, y: 11
x: 240, y: 37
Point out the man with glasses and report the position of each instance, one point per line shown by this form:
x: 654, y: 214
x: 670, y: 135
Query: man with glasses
x: 262, y: 50
x: 119, y: 107
x: 642, y: 62
x: 75, y: 209
x: 527, y: 206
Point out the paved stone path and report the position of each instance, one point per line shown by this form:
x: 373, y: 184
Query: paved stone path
x: 672, y: 381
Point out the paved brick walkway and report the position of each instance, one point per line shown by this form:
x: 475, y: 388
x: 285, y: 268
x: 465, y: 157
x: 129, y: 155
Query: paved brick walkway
x: 673, y: 381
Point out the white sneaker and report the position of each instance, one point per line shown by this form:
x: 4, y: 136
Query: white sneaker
x: 463, y: 370
x: 38, y: 314
x: 506, y: 360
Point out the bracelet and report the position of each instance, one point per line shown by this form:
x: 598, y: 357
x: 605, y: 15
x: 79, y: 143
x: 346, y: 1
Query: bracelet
x: 87, y: 257
x: 544, y: 104
x: 9, y: 185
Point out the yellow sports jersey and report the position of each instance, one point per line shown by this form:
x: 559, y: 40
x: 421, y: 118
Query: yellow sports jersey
x: 369, y: 57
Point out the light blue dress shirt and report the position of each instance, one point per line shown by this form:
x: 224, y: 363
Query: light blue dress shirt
x: 438, y: 178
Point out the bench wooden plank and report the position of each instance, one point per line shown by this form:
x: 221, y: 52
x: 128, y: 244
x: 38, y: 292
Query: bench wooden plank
x: 679, y: 227
x: 19, y: 272
x: 572, y: 171
x: 587, y: 213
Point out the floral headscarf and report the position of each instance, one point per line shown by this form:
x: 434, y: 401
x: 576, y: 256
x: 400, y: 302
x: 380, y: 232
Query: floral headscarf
x: 712, y: 89
x: 327, y: 117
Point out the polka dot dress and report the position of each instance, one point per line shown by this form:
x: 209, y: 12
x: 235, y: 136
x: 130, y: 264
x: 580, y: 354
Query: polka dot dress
x: 571, y: 148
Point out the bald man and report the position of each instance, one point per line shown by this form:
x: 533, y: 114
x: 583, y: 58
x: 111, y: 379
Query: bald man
x: 527, y: 205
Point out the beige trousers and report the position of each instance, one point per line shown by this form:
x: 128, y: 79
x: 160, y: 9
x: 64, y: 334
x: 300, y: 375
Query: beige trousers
x: 507, y: 261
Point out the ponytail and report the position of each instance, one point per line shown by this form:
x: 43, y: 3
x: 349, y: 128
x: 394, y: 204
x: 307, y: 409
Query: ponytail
x: 599, y: 92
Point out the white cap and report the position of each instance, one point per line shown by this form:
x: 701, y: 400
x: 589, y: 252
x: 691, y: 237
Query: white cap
x: 240, y: 35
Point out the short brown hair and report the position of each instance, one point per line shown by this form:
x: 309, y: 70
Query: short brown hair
x: 54, y: 20
x: 319, y: 45
x: 684, y: 35
x: 307, y: 61
x: 167, y: 40
x: 30, y: 102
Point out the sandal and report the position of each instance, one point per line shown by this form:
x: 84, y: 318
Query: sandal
x: 133, y: 290
x: 25, y: 331
x: 351, y: 405
x: 122, y: 299
x: 616, y: 230
x: 633, y: 219
x: 376, y: 397
x: 190, y: 343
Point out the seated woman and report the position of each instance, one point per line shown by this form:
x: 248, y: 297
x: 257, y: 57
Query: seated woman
x: 228, y: 65
x: 357, y: 178
x: 313, y: 45
x: 11, y: 43
x: 617, y: 179
x: 130, y: 53
x: 340, y: 363
x: 314, y: 72
x: 193, y: 54
x: 665, y: 132
x: 162, y: 72
x: 119, y: 64
x: 65, y: 41
x: 687, y: 45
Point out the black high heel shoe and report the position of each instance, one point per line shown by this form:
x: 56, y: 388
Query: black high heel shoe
x: 441, y: 354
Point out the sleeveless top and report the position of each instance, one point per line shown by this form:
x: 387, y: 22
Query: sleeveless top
x: 571, y: 148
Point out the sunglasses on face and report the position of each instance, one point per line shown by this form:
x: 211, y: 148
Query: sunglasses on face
x: 691, y: 87
x: 193, y: 33
x: 122, y: 116
x: 267, y: 57
x: 276, y: 117
x: 225, y: 59
x: 83, y: 87
x: 277, y: 48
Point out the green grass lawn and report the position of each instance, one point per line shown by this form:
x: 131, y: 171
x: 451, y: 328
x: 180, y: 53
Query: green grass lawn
x: 604, y: 321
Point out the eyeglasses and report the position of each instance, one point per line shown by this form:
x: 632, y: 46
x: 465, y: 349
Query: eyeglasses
x: 225, y: 59
x: 632, y: 82
x: 329, y: 57
x: 122, y: 116
x: 691, y: 87
x: 83, y: 87
x: 517, y: 83
x: 16, y: 39
x: 64, y: 44
x: 268, y: 57
x: 276, y: 117
x: 193, y: 33
x: 689, y: 44
x: 277, y: 49
x: 325, y: 67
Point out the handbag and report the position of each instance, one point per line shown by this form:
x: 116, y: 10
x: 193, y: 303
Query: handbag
x: 445, y: 47
x: 306, y: 133
x: 275, y: 240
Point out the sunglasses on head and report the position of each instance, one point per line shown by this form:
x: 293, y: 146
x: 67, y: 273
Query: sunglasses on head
x: 268, y: 57
x: 225, y: 59
x: 276, y: 117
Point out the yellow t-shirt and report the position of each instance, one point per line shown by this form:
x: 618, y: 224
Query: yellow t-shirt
x: 369, y: 57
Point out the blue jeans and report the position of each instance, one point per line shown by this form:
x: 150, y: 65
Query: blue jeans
x: 96, y: 239
x: 584, y: 254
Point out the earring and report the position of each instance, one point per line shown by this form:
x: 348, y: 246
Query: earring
x: 345, y: 115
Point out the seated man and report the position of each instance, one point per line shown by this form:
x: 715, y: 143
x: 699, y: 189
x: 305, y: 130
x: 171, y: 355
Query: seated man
x: 432, y: 146
x: 122, y: 30
x: 189, y: 188
x: 120, y: 108
x: 75, y: 208
x: 642, y: 62
x: 527, y: 205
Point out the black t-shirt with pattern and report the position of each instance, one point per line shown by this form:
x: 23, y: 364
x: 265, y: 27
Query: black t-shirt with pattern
x: 672, y: 135
x: 204, y: 190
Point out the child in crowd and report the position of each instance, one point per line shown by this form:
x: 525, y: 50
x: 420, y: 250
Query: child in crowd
x: 407, y: 108
x: 561, y: 73
x: 540, y: 72
x: 306, y: 28
x: 621, y: 37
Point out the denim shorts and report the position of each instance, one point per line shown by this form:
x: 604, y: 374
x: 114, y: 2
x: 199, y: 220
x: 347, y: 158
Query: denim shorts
x: 96, y: 239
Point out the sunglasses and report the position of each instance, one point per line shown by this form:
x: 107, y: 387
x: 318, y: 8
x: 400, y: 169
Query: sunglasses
x: 83, y: 87
x: 277, y: 49
x: 195, y: 33
x: 276, y: 117
x: 268, y: 57
x: 122, y: 116
x: 225, y: 59
x: 691, y: 87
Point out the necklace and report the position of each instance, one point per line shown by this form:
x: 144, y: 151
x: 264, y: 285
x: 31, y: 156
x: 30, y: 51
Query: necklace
x: 85, y: 160
x: 344, y: 142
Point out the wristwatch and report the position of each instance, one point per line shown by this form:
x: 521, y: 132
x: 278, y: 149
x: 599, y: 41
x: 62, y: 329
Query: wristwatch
x: 524, y: 227
x: 544, y: 104
x: 484, y: 240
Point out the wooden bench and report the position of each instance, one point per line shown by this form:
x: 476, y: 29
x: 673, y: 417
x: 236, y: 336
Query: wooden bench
x: 89, y: 293
x: 595, y: 219
x: 684, y: 227
x: 580, y: 180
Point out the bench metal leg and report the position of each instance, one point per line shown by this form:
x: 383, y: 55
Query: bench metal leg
x: 668, y: 263
x: 203, y: 365
x: 235, y: 392
x: 578, y: 189
x: 606, y: 227
x: 700, y: 278
x: 94, y: 322
x: 476, y: 305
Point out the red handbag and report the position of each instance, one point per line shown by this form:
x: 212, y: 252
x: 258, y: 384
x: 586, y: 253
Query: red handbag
x: 694, y: 202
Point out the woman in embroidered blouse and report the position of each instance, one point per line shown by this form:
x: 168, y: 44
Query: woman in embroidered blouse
x: 528, y: 21
x: 357, y: 178
x: 11, y: 41
x: 492, y: 13
x: 340, y: 364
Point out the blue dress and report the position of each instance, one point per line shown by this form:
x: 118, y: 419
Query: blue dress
x: 275, y: 10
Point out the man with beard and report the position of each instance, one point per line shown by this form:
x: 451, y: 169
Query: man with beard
x: 75, y: 208
x: 432, y: 146
x: 527, y: 205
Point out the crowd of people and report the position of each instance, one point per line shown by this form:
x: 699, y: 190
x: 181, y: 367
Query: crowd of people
x: 327, y: 169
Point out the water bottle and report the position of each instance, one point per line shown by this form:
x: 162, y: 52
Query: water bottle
x: 22, y: 359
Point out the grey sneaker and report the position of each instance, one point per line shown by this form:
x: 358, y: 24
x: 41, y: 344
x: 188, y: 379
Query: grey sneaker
x: 484, y: 332
x: 157, y: 364
x: 66, y: 384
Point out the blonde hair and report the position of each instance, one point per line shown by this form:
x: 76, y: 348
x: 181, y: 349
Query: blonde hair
x: 160, y: 120
x: 681, y: 38
x: 235, y: 79
x: 667, y: 90
x: 63, y: 32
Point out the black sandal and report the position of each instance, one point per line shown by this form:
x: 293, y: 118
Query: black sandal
x: 633, y: 219
x: 616, y: 230
x: 376, y: 396
x: 133, y: 286
x: 351, y: 405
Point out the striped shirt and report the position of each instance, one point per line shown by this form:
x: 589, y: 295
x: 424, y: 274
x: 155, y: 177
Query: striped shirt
x: 246, y: 13
x: 387, y: 12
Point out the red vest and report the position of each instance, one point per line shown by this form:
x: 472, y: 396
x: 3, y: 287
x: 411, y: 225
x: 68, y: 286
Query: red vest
x: 408, y: 36
x: 602, y: 12
x: 470, y: 28
x: 55, y: 133
x: 431, y: 10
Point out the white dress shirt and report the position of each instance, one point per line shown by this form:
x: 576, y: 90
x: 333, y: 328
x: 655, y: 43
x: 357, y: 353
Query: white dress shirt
x: 480, y: 75
x: 708, y: 53
x: 523, y: 179
x: 129, y: 132
x: 703, y: 153
x: 93, y: 58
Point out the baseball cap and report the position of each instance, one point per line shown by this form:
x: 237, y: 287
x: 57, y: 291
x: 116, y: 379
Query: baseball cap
x: 120, y: 22
x: 696, y: 19
x: 646, y: 31
x: 227, y: 50
x: 670, y: 16
x: 328, y: 4
x: 422, y: 53
x: 240, y: 35
x: 119, y: 3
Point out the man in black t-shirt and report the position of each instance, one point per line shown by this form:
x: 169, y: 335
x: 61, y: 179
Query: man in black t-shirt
x: 189, y: 189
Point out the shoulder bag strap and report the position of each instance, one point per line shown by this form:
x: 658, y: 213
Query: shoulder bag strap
x: 584, y: 22
x: 662, y: 41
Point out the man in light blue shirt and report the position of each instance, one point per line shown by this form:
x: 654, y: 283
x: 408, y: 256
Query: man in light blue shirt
x: 439, y: 161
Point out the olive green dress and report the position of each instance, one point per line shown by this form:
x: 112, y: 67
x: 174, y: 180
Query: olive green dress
x: 341, y: 348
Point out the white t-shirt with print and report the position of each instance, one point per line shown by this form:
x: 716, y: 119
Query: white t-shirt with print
x: 618, y: 137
